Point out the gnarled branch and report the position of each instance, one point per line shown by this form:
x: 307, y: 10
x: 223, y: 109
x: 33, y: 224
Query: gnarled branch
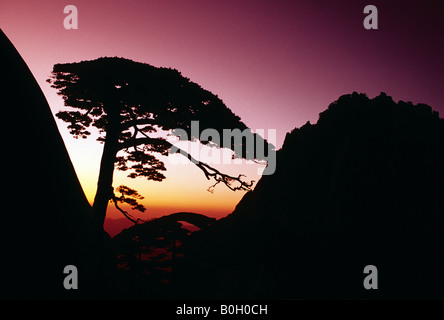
x: 208, y: 171
x: 133, y: 202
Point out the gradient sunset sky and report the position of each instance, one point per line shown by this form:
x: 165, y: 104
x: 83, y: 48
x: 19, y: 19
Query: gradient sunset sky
x: 276, y: 64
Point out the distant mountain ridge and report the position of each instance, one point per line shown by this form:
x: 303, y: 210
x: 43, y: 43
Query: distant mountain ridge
x: 362, y: 186
x: 199, y: 220
x: 116, y: 226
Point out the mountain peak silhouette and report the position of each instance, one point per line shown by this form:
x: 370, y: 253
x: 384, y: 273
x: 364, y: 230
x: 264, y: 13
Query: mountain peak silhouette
x: 362, y: 186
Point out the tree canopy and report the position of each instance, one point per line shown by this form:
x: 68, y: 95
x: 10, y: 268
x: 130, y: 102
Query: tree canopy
x: 130, y: 103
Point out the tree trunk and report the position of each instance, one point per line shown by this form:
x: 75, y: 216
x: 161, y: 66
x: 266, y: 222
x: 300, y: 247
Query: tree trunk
x: 105, y: 182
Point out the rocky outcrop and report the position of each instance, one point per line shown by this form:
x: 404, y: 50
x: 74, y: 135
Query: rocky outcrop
x: 47, y: 218
x: 362, y: 186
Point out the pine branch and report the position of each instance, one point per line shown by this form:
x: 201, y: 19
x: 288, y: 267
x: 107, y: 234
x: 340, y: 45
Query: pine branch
x: 127, y: 191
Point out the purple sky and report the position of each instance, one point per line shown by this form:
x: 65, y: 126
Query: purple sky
x: 277, y: 64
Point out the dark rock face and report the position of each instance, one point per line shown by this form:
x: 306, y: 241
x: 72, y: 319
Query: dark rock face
x: 47, y: 219
x: 363, y: 186
x: 150, y: 256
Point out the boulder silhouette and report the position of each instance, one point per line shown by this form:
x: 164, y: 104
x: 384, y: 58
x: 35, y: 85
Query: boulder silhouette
x: 150, y: 254
x: 46, y: 223
x: 363, y: 186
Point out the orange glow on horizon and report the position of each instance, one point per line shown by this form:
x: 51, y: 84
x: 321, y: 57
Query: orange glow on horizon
x: 185, y: 188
